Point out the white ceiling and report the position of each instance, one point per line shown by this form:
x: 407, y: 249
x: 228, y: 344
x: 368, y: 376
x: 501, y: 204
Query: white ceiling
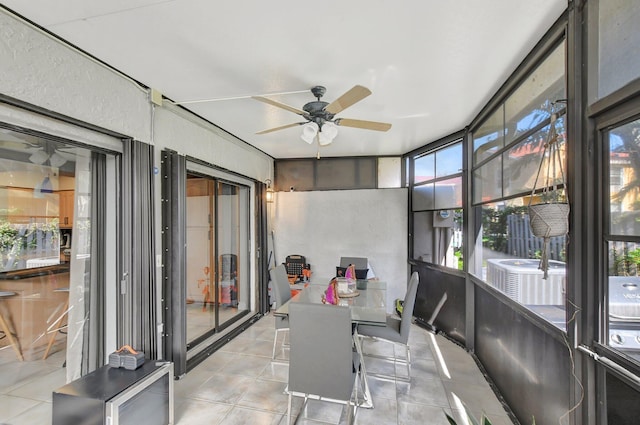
x: 431, y: 64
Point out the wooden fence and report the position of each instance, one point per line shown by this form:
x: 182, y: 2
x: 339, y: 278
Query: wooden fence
x: 523, y: 244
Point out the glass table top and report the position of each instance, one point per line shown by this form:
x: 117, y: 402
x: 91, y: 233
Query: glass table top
x: 368, y: 307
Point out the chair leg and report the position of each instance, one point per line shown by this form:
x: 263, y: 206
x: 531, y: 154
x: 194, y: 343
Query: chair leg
x: 289, y: 410
x: 275, y: 342
x: 408, y: 361
x: 4, y: 326
x: 394, y: 359
x: 52, y: 338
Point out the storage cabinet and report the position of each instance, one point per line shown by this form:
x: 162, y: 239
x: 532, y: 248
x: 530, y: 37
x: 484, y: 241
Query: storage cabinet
x: 66, y: 208
x: 118, y: 396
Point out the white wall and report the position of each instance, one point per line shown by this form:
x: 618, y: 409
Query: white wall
x: 326, y: 225
x: 42, y: 71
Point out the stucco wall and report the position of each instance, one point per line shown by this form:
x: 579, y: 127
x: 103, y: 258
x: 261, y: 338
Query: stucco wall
x: 44, y: 72
x: 325, y: 225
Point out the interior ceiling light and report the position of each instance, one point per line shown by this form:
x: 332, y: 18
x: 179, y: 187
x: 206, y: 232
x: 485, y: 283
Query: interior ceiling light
x: 309, y: 132
x: 38, y: 157
x: 328, y: 132
x: 56, y: 160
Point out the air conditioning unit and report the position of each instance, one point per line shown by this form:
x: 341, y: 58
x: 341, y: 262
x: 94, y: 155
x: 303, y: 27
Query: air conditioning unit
x: 521, y: 280
x: 624, y: 312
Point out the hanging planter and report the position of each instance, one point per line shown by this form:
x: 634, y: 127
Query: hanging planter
x: 549, y: 218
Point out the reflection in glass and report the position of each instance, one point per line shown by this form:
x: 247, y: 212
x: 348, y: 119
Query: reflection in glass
x: 624, y: 184
x: 624, y: 297
x: 507, y: 258
x: 424, y: 168
x: 489, y: 137
x: 487, y: 181
x: 46, y: 201
x: 423, y: 197
x: 449, y: 160
x: 217, y: 243
x: 529, y: 105
x: 448, y: 193
x: 523, y: 161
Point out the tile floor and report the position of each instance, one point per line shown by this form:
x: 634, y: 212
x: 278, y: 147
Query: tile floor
x: 239, y: 384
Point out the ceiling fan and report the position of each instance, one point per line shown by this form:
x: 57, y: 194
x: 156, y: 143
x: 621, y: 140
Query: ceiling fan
x: 321, y: 123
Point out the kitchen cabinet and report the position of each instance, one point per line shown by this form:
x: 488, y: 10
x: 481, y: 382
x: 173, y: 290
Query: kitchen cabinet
x: 66, y: 208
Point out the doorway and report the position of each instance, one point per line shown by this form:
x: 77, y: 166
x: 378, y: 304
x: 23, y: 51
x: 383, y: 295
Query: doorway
x: 217, y: 240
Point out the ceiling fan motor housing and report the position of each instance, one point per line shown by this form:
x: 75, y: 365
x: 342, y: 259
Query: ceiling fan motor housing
x: 316, y: 113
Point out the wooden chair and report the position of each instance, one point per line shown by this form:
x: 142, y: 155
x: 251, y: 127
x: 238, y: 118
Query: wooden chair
x: 4, y: 327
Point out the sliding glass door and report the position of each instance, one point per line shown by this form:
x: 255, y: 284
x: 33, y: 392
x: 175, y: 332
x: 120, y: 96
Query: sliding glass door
x: 217, y: 239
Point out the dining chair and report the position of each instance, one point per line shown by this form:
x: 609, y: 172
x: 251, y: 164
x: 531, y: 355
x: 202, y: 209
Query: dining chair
x: 361, y: 264
x: 397, y: 329
x: 322, y: 362
x: 282, y: 293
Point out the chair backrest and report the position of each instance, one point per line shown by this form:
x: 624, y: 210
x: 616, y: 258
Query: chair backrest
x: 361, y: 263
x: 321, y: 353
x: 407, y: 306
x: 294, y: 265
x: 280, y: 284
x: 228, y: 266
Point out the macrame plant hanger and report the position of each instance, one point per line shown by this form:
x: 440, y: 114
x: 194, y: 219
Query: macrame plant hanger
x: 551, y: 217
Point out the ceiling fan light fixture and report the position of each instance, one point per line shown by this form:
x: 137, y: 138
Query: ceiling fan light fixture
x: 309, y: 132
x: 328, y: 132
x: 56, y: 160
x: 39, y: 157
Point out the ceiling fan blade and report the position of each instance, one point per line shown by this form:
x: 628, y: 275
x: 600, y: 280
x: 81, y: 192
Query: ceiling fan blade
x: 280, y: 128
x: 367, y: 125
x: 356, y: 94
x: 279, y: 105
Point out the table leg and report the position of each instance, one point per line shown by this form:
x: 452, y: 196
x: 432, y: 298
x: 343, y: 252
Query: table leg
x: 368, y: 400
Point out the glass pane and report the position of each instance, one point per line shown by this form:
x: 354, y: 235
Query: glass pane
x: 449, y: 160
x: 624, y: 169
x: 618, y: 36
x: 424, y: 168
x: 624, y: 298
x: 437, y: 237
x: 423, y: 197
x: 507, y: 257
x: 448, y: 193
x: 200, y: 254
x: 523, y: 161
x: 218, y: 281
x: 487, y: 181
x: 489, y: 137
x: 530, y: 104
x: 232, y: 236
x: 294, y: 175
x: 46, y: 200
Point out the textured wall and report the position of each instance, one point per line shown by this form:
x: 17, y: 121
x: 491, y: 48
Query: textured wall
x: 323, y: 226
x: 42, y: 71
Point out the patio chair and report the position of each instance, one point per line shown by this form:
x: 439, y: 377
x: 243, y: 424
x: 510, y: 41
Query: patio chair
x: 397, y: 330
x: 322, y: 362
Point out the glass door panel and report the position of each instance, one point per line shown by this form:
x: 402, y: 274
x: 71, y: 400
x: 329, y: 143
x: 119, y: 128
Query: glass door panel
x: 233, y: 237
x: 200, y: 267
x: 217, y: 246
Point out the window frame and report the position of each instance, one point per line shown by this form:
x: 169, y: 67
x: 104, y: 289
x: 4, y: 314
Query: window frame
x: 410, y: 183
